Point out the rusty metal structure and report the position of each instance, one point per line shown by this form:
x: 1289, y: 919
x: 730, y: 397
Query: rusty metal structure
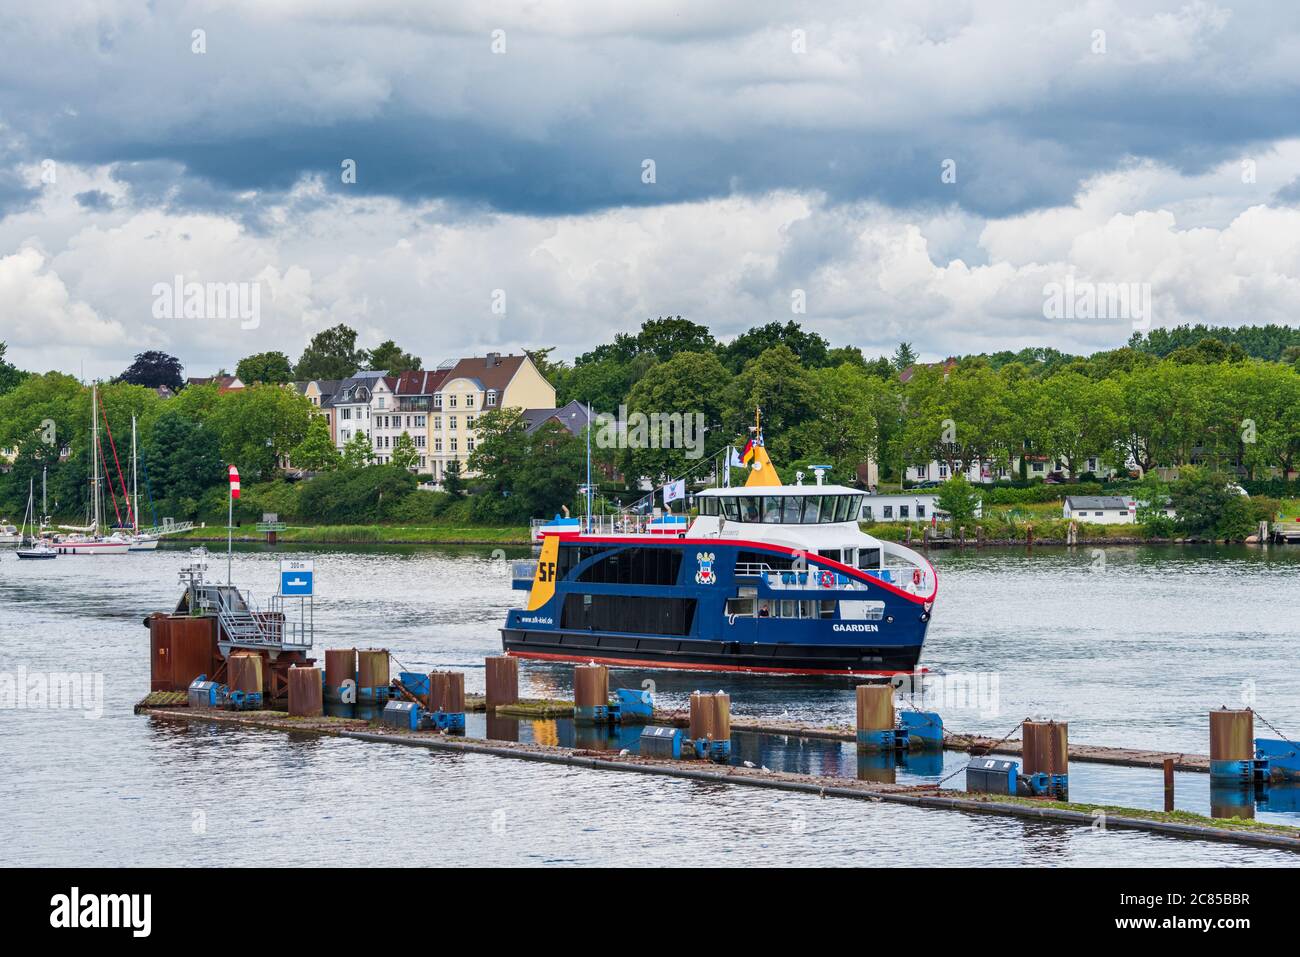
x: 306, y: 698
x: 502, y: 681
x: 213, y: 622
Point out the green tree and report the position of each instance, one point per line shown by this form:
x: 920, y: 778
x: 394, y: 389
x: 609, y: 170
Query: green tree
x: 389, y: 356
x: 777, y: 384
x: 453, y: 483
x: 269, y: 367
x: 260, y: 426
x: 331, y: 354
x: 904, y: 356
x: 842, y: 431
x: 809, y: 348
x: 10, y: 376
x: 405, y: 455
x: 960, y: 499
x: 682, y: 401
x: 183, y: 458
x: 1207, y: 504
x: 357, y: 452
x: 316, y: 452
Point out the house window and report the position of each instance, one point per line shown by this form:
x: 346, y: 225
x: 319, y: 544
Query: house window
x: 920, y: 510
x: 452, y: 400
x: 887, y: 511
x: 492, y: 397
x: 345, y: 413
x: 943, y: 470
x: 469, y: 400
x: 451, y: 422
x: 903, y: 511
x: 437, y: 400
x: 866, y: 512
x: 1038, y: 466
x: 437, y: 422
x: 1100, y: 514
x: 453, y: 444
x: 469, y: 421
x: 437, y: 445
x: 381, y: 402
x: 469, y: 445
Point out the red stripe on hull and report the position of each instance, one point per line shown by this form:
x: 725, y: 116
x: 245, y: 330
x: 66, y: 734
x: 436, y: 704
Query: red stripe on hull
x: 740, y: 669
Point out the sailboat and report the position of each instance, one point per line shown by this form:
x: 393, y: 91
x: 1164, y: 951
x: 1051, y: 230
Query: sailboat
x: 139, y: 543
x: 35, y: 546
x: 94, y: 543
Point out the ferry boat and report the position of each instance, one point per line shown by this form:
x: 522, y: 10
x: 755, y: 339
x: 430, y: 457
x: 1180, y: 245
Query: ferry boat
x: 768, y: 578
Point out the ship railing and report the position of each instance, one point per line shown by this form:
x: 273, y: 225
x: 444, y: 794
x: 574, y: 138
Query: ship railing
x: 623, y: 524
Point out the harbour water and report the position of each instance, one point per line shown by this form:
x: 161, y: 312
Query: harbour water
x: 1130, y: 645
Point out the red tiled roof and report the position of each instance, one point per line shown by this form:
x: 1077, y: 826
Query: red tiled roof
x: 494, y: 371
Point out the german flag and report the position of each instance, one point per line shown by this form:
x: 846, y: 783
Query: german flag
x: 748, y: 452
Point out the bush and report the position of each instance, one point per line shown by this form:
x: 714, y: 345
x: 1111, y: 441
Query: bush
x: 359, y: 496
x: 421, y: 507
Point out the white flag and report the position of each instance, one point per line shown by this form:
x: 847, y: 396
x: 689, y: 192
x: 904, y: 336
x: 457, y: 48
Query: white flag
x: 674, y: 490
x: 734, y: 461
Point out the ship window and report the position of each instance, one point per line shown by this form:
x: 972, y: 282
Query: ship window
x: 729, y: 510
x: 789, y: 609
x: 842, y: 508
x: 750, y: 506
x: 774, y: 561
x: 771, y: 509
x: 828, y: 509
x: 708, y: 506
x: 810, y: 509
x: 743, y: 605
x: 790, y: 510
x: 834, y: 554
x: 868, y: 558
x: 828, y: 609
x: 628, y: 613
x: 635, y: 566
x: 808, y: 609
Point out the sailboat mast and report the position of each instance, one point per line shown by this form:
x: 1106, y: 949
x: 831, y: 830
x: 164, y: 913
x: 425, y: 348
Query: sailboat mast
x: 94, y: 453
x: 135, y: 495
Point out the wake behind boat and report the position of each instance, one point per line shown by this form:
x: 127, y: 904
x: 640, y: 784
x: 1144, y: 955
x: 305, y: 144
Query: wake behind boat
x: 767, y: 578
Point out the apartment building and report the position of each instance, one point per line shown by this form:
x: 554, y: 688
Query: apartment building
x: 401, y: 404
x: 470, y: 387
x: 350, y: 406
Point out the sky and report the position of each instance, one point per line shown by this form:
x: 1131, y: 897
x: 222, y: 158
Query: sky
x: 491, y: 176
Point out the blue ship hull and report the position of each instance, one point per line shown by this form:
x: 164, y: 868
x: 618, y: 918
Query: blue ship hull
x: 827, y: 619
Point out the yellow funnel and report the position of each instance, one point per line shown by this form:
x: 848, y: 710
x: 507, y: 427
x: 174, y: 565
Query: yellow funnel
x: 761, y: 469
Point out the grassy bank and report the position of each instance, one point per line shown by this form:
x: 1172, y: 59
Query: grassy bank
x: 371, y: 535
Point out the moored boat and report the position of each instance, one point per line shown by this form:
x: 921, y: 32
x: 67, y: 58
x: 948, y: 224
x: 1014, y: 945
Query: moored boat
x: 768, y: 578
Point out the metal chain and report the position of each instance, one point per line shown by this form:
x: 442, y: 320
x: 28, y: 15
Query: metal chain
x: 1268, y: 724
x: 990, y: 750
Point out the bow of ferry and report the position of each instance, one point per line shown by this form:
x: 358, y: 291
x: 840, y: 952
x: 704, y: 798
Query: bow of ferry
x: 766, y: 578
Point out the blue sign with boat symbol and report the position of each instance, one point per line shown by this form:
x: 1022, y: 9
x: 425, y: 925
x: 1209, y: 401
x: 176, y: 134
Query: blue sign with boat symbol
x: 296, y: 578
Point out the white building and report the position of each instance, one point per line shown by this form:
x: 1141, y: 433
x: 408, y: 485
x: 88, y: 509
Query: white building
x: 1036, y: 466
x: 351, y: 406
x: 1105, y: 509
x: 906, y: 507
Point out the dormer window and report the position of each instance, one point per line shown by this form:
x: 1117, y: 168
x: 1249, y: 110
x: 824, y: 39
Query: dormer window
x: 492, y: 397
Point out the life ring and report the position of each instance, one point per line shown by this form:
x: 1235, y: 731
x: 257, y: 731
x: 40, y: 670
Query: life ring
x: 916, y: 576
x: 826, y: 577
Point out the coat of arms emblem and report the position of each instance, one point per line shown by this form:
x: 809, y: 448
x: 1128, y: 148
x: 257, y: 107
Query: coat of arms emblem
x: 706, y: 575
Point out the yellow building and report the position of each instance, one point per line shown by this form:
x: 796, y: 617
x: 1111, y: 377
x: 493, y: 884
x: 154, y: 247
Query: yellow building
x: 470, y: 387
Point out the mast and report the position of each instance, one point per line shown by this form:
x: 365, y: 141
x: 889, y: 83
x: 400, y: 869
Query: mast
x: 45, y: 509
x: 94, y: 458
x: 588, y: 466
x: 135, y: 495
